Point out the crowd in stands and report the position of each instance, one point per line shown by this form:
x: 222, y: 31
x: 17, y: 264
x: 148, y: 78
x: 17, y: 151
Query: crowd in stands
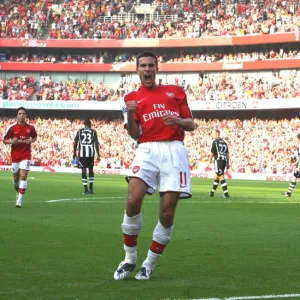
x: 107, y: 19
x: 210, y: 86
x: 22, y: 18
x: 256, y: 145
x: 17, y: 87
x: 83, y: 20
x: 75, y: 90
x: 179, y: 57
x: 176, y: 19
x: 235, y: 86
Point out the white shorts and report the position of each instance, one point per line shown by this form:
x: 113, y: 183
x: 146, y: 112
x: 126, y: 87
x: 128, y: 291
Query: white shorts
x: 165, y: 164
x: 22, y: 165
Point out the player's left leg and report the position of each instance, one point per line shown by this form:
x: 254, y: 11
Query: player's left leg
x: 161, y: 235
x: 224, y: 187
x: 91, y: 179
x: 22, y: 187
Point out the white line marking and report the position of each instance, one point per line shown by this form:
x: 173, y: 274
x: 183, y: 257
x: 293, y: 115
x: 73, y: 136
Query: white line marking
x: 253, y: 297
x: 113, y: 200
x: 82, y: 199
x: 105, y: 200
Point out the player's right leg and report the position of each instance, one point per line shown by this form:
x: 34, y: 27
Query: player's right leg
x: 15, y: 168
x: 214, y: 187
x: 291, y: 188
x: 16, y: 180
x: 84, y: 180
x: 131, y: 226
x: 24, y: 169
x: 143, y: 179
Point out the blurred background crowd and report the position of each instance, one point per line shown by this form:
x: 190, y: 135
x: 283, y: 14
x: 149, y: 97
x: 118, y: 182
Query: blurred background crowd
x: 213, y: 86
x: 256, y: 145
x: 127, y: 19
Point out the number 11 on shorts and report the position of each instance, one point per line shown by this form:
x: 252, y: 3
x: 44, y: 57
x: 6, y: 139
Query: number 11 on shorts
x: 183, y: 180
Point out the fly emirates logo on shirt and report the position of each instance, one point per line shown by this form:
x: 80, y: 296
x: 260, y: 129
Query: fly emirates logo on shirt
x: 159, y: 110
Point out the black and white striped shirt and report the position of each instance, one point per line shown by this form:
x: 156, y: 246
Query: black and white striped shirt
x: 87, y: 138
x: 219, y: 149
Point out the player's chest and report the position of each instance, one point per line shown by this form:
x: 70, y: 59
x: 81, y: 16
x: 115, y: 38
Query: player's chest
x: 157, y: 102
x: 21, y: 132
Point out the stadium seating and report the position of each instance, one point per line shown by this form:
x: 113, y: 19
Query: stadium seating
x: 171, y: 19
x: 213, y: 86
x: 17, y: 87
x: 193, y: 56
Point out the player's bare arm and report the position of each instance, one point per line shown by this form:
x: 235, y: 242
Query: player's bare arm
x: 75, y: 144
x: 187, y: 124
x: 12, y: 141
x: 227, y: 157
x: 132, y: 125
x: 97, y: 146
x: 211, y: 157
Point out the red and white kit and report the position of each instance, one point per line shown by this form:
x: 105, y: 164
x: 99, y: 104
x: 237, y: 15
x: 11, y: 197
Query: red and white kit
x: 20, y: 152
x: 161, y: 157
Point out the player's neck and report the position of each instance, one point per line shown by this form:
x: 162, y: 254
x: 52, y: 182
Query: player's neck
x: 153, y: 87
x: 21, y: 123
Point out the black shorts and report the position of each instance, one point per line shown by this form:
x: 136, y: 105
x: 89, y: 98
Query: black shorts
x: 296, y: 173
x: 85, y: 162
x: 220, y: 166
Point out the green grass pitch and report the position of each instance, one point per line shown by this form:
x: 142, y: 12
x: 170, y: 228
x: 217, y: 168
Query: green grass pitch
x: 69, y: 248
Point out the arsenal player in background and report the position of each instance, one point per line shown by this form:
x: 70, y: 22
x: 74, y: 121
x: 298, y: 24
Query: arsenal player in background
x: 157, y: 117
x: 20, y: 136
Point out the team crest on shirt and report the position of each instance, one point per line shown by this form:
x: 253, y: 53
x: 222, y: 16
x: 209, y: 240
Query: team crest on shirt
x: 28, y: 130
x: 135, y: 169
x: 171, y: 95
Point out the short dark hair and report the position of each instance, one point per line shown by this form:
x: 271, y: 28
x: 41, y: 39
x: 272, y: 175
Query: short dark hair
x: 87, y: 123
x: 217, y: 131
x: 298, y: 135
x: 146, y: 54
x: 22, y: 108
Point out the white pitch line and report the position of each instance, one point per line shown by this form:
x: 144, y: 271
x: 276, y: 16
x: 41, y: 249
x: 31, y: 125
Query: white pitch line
x: 112, y: 200
x: 82, y: 199
x: 94, y: 199
x: 253, y: 297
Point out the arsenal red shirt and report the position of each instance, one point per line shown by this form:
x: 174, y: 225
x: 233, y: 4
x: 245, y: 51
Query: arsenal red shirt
x: 20, y: 151
x: 152, y: 105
